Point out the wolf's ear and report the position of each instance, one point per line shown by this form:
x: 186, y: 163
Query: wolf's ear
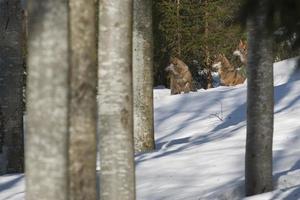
x: 241, y: 44
x: 245, y: 45
x: 175, y: 60
x: 172, y: 59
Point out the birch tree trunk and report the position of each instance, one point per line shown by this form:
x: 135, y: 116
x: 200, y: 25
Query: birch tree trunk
x: 117, y: 179
x: 260, y: 104
x: 83, y: 106
x: 48, y: 69
x: 11, y: 87
x: 143, y: 76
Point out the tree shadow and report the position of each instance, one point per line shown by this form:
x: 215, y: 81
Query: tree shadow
x: 183, y: 104
x: 236, y: 117
x: 279, y: 158
x: 10, y: 183
x: 294, y: 195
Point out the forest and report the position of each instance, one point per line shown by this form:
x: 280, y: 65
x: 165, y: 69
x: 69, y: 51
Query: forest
x: 199, y: 30
x: 149, y: 100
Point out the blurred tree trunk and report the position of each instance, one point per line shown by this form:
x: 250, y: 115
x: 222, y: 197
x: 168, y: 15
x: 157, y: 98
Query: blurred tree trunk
x: 260, y: 103
x: 83, y: 106
x: 117, y: 180
x: 47, y: 102
x: 11, y: 87
x: 143, y: 76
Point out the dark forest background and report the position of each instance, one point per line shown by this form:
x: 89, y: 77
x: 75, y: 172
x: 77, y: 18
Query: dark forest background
x: 196, y: 30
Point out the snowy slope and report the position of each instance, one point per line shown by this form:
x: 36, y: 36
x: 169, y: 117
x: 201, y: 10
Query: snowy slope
x: 201, y: 140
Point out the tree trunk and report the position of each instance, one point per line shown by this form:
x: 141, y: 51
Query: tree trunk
x: 47, y: 102
x: 260, y: 103
x: 11, y: 87
x: 178, y: 28
x: 83, y: 106
x: 206, y: 32
x: 143, y: 76
x: 115, y: 100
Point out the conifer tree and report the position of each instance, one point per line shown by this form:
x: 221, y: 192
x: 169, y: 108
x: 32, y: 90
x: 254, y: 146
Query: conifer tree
x: 194, y: 30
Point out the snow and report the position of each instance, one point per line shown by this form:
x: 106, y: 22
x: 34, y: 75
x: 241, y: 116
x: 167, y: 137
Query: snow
x: 12, y: 187
x: 200, y: 141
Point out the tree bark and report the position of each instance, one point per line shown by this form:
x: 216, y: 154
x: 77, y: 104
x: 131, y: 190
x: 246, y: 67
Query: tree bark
x: 206, y: 33
x: 11, y: 87
x: 260, y: 103
x: 83, y: 105
x: 117, y: 179
x: 143, y: 76
x: 47, y: 102
x: 178, y: 28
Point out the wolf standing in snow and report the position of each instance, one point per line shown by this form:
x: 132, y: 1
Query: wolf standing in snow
x: 229, y: 76
x: 180, y: 76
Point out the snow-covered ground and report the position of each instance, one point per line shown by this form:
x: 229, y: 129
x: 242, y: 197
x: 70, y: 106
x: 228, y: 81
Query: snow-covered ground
x: 200, y: 141
x: 12, y: 187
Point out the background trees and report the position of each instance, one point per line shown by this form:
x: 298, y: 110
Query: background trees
x: 11, y: 86
x: 198, y: 30
x: 193, y: 30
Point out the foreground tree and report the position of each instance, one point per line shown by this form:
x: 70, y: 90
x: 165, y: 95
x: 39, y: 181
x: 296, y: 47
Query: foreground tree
x: 260, y: 103
x: 11, y: 87
x: 47, y: 102
x: 143, y: 76
x: 83, y: 106
x: 115, y: 100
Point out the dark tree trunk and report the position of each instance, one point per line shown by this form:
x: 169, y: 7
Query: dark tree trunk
x: 11, y: 86
x: 260, y: 103
x: 178, y: 31
x: 83, y: 106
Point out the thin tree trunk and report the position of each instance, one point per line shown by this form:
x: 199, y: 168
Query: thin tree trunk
x: 115, y: 100
x: 206, y: 32
x: 11, y: 86
x: 143, y: 76
x: 47, y: 102
x: 83, y: 106
x: 260, y: 103
x: 178, y: 28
